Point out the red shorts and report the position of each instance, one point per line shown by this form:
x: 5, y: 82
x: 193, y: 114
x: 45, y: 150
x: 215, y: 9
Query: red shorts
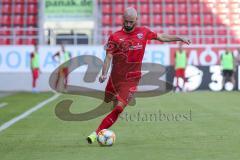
x: 35, y: 73
x: 64, y: 71
x: 121, y: 91
x: 180, y: 72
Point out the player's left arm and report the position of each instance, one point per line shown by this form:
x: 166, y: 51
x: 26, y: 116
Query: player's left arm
x: 172, y: 38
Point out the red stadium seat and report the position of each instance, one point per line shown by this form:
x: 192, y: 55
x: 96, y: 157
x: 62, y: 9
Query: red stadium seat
x: 19, y: 31
x: 134, y: 5
x: 182, y: 8
x: 6, y: 9
x: 5, y: 31
x: 157, y: 19
x: 119, y: 1
x: 143, y: 1
x: 207, y: 9
x: 222, y: 40
x: 31, y: 41
x: 5, y: 41
x: 32, y: 20
x: 194, y: 40
x: 158, y: 30
x: 196, y: 30
x: 19, y: 1
x: 171, y: 30
x: 145, y: 19
x: 106, y: 1
x: 208, y: 31
x: 107, y: 31
x: 222, y: 31
x: 235, y: 41
x: 6, y: 1
x: 107, y: 20
x: 119, y: 8
x: 132, y: 1
x: 208, y: 19
x: 119, y: 20
x: 6, y: 20
x: 19, y: 9
x: 209, y: 40
x: 18, y: 20
x: 144, y: 8
x: 19, y: 41
x: 192, y: 1
x: 219, y: 19
x: 32, y: 9
x: 169, y: 1
x: 195, y: 8
x: 195, y: 19
x: 156, y: 1
x: 170, y: 19
x: 183, y: 1
x: 183, y: 19
x: 33, y: 1
x: 106, y: 9
x: 157, y: 8
x: 30, y: 31
x: 183, y: 30
x: 169, y: 8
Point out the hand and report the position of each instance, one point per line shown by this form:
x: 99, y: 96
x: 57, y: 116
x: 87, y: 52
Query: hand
x: 102, y: 78
x: 187, y: 41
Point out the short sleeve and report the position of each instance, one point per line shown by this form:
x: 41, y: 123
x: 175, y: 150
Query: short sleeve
x: 111, y: 45
x: 150, y: 34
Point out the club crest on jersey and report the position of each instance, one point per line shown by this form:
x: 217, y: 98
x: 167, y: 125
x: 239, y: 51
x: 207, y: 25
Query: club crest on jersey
x: 140, y: 35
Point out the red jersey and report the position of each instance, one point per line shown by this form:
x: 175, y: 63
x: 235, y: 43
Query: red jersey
x: 128, y: 51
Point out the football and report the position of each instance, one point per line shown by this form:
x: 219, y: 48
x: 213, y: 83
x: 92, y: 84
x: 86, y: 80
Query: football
x: 106, y: 137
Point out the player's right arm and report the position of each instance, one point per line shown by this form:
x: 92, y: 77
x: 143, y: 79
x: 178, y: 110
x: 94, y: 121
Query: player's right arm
x: 105, y: 68
x: 55, y: 55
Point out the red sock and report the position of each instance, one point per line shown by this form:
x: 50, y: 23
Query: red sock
x: 110, y: 119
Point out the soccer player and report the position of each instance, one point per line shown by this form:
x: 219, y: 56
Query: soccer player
x: 125, y: 49
x: 228, y: 66
x: 34, y: 58
x: 61, y: 57
x: 180, y: 66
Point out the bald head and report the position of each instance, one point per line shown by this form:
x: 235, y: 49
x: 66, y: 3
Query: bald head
x: 129, y: 19
x: 130, y: 12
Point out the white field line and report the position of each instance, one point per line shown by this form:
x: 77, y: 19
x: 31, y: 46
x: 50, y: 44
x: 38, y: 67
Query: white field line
x: 3, y: 105
x: 28, y: 112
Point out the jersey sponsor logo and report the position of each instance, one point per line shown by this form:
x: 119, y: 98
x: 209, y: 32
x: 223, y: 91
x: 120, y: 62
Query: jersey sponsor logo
x: 136, y: 47
x: 140, y: 35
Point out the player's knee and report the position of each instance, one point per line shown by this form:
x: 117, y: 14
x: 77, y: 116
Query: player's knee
x: 119, y: 109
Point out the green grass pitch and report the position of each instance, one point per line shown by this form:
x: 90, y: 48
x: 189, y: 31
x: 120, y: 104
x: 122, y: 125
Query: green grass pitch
x: 196, y: 126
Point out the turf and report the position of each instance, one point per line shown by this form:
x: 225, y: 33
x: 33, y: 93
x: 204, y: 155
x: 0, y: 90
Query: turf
x: 196, y: 126
x: 18, y: 103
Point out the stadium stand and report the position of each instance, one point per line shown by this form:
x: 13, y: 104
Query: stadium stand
x: 206, y: 21
x: 18, y: 22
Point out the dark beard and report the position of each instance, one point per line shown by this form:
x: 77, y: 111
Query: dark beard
x: 128, y: 28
